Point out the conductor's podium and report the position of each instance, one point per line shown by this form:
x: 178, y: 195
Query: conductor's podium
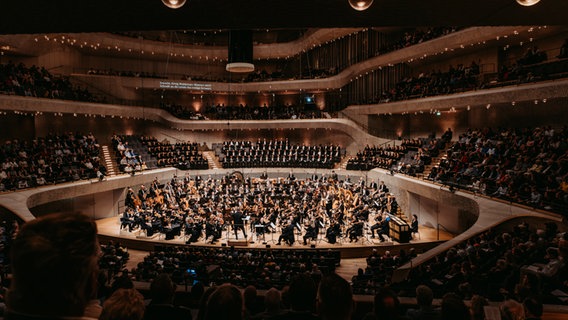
x: 399, y: 230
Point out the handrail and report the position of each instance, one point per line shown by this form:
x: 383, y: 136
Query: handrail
x: 438, y: 225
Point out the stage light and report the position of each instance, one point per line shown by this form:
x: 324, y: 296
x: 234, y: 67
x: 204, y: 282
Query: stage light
x: 361, y: 5
x: 174, y: 4
x: 527, y: 3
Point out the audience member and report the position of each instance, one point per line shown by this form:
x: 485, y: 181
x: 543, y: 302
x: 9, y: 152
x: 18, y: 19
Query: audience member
x: 302, y: 294
x: 54, y: 269
x: 453, y: 308
x: 425, y: 311
x: 335, y: 299
x: 162, y: 291
x: 226, y: 302
x: 124, y: 304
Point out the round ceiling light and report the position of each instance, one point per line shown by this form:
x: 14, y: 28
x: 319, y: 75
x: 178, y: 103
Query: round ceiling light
x: 361, y: 5
x: 174, y: 4
x: 527, y: 3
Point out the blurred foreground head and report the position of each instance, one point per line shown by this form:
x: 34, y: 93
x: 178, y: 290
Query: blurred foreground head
x: 54, y: 266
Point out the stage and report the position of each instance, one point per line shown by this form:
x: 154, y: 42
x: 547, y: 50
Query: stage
x: 109, y: 229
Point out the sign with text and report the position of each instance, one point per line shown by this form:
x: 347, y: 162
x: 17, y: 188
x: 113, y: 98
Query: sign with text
x: 185, y: 85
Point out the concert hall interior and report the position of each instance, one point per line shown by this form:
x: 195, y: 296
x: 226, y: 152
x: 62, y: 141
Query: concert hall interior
x: 416, y: 149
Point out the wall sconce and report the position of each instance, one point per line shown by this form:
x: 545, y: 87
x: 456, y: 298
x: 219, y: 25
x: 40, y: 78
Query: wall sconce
x: 527, y: 3
x: 174, y: 4
x: 361, y: 5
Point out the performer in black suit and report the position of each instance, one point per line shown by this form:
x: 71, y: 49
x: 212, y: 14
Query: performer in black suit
x: 414, y: 224
x: 333, y: 232
x: 238, y: 223
x: 311, y: 232
x: 287, y: 234
x: 355, y: 231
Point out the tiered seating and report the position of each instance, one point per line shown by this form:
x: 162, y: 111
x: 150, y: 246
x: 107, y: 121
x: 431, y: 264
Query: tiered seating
x: 528, y: 166
x: 184, y: 155
x: 38, y: 82
x: 263, y: 269
x: 513, y: 263
x: 132, y: 155
x: 408, y: 158
x: 276, y: 153
x: 51, y: 159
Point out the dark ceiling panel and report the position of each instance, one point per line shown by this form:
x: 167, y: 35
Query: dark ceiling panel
x: 35, y: 16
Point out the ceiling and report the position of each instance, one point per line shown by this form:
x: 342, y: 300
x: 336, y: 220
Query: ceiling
x: 41, y: 16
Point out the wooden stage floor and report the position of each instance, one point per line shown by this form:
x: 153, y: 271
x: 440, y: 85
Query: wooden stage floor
x: 109, y: 229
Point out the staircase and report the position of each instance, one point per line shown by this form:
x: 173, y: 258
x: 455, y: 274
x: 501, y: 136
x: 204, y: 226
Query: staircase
x: 212, y: 161
x: 343, y: 164
x: 107, y: 157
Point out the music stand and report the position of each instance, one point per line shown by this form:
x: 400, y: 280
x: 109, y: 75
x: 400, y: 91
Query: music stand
x: 272, y: 232
x: 365, y: 235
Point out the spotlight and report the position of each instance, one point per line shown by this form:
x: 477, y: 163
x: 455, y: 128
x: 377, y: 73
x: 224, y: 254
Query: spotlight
x: 174, y: 4
x: 527, y: 3
x: 361, y: 5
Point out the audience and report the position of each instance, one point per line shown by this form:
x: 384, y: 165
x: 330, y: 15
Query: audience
x: 528, y: 165
x: 38, y: 82
x: 51, y: 159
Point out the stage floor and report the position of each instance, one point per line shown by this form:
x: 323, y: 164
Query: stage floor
x: 109, y: 229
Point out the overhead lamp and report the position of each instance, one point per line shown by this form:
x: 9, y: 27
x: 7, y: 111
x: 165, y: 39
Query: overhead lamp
x: 361, y: 5
x: 174, y: 4
x: 527, y: 3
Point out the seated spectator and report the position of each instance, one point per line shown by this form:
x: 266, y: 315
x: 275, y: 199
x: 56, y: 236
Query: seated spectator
x: 272, y: 305
x: 425, y: 311
x: 512, y: 310
x: 226, y: 302
x: 123, y: 304
x: 335, y: 298
x: 302, y: 296
x: 162, y: 291
x: 54, y: 269
x: 453, y: 308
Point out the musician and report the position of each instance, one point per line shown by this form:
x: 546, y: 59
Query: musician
x: 238, y: 223
x: 385, y: 229
x: 129, y: 200
x: 311, y: 231
x: 212, y: 230
x: 287, y: 234
x: 333, y: 232
x: 127, y: 220
x: 414, y: 224
x: 194, y: 230
x: 378, y: 224
x: 355, y: 231
x: 142, y: 193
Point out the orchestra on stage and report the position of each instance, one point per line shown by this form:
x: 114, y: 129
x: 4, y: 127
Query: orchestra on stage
x: 285, y: 209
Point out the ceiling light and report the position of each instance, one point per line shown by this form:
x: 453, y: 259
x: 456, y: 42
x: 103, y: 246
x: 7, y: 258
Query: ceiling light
x: 527, y: 3
x: 361, y: 5
x: 174, y: 4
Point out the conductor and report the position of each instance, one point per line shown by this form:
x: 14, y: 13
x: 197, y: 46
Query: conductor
x: 238, y: 223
